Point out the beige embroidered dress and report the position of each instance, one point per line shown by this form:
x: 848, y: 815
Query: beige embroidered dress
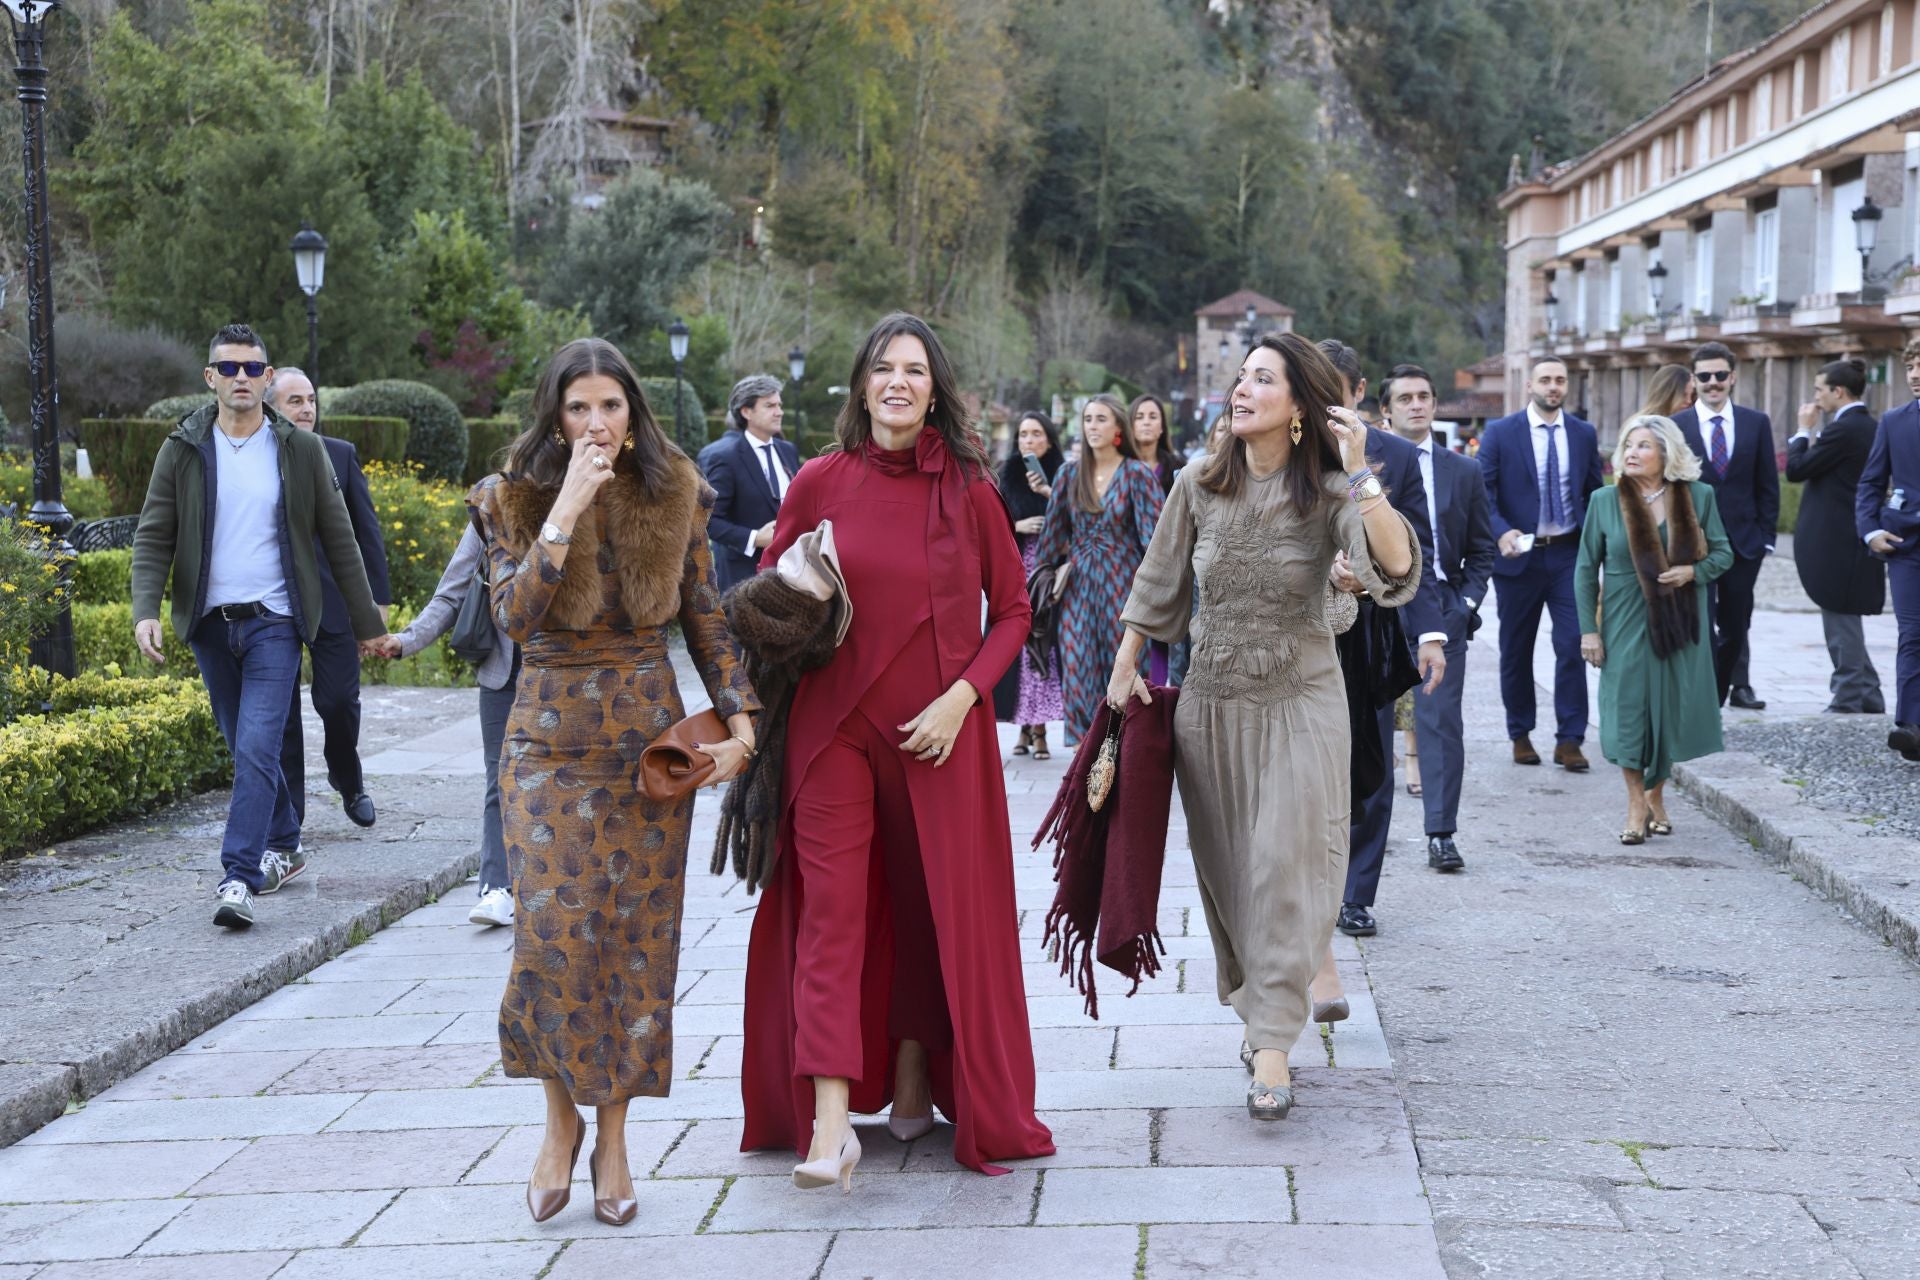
x: 1261, y: 734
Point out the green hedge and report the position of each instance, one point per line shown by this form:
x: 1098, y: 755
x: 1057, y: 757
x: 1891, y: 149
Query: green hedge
x: 122, y: 451
x: 659, y: 394
x: 119, y: 747
x: 486, y: 439
x: 103, y: 577
x: 1789, y: 506
x: 374, y: 439
x: 87, y: 499
x: 437, y: 439
x: 518, y: 407
x: 103, y: 641
x: 174, y: 408
x: 422, y: 520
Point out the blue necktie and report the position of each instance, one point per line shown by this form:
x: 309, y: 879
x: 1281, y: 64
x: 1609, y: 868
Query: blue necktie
x: 773, y: 479
x: 1556, y: 510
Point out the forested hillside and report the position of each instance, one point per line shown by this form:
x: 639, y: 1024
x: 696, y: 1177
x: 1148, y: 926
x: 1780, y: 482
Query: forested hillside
x: 1049, y: 179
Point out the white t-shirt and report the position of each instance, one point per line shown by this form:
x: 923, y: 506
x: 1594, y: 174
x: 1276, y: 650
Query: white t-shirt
x: 245, y: 565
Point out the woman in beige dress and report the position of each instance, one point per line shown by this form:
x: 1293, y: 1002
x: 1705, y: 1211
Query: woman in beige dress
x: 1261, y: 731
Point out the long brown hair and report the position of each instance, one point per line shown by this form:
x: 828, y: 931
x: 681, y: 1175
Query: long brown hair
x: 538, y: 454
x: 1667, y: 392
x: 1086, y: 495
x: 1314, y: 384
x: 949, y: 415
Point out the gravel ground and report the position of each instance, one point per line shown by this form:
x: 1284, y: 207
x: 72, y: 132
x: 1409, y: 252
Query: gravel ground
x: 1844, y: 765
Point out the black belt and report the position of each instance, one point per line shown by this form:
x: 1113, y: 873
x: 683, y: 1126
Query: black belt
x: 1548, y: 539
x: 241, y: 612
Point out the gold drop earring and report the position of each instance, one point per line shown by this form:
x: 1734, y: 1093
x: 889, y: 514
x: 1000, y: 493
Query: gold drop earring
x: 1295, y: 430
x: 627, y: 444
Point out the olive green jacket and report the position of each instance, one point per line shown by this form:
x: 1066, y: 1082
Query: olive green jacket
x: 176, y: 529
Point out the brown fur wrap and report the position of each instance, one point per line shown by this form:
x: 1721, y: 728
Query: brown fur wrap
x: 784, y: 634
x: 648, y: 535
x: 1673, y: 618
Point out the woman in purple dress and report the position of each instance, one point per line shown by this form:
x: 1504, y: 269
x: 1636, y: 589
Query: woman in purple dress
x: 1030, y: 696
x: 1100, y: 519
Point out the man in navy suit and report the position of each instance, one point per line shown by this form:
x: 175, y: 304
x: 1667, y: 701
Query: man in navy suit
x: 1887, y: 516
x: 1397, y: 463
x: 1738, y: 459
x: 334, y: 652
x: 1464, y: 551
x: 1540, y: 465
x: 749, y: 468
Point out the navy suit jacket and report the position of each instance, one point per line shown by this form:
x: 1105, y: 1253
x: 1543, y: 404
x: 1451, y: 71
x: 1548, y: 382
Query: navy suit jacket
x: 366, y: 532
x: 1893, y: 464
x: 1748, y: 495
x: 742, y: 500
x: 1513, y: 486
x: 1397, y: 463
x: 1467, y: 547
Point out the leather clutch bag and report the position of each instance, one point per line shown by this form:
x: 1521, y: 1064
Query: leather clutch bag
x: 670, y: 767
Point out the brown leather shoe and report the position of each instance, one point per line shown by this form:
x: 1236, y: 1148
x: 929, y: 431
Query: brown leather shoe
x: 1569, y: 757
x: 1523, y: 752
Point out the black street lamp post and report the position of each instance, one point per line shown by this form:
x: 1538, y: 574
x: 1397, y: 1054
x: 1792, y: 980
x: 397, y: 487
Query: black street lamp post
x: 1866, y: 233
x: 310, y: 269
x: 54, y: 650
x: 1657, y: 288
x: 677, y: 346
x: 797, y: 367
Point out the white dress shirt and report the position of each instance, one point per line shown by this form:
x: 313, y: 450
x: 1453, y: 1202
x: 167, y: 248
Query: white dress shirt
x: 1433, y: 505
x: 763, y: 450
x: 1543, y: 432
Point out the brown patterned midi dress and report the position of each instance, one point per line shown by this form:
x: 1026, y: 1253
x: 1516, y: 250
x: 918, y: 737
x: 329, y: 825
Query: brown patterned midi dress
x: 598, y: 869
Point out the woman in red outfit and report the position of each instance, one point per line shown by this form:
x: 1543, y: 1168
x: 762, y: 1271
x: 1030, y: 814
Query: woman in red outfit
x: 885, y: 959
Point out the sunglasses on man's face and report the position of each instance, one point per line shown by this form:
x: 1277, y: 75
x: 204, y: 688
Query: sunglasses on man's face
x: 232, y: 368
x: 1713, y: 375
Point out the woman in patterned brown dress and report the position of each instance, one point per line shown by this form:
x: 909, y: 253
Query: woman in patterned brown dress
x: 597, y: 536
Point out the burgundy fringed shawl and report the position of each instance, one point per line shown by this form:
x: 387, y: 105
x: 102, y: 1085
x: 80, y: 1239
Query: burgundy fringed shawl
x: 1108, y: 863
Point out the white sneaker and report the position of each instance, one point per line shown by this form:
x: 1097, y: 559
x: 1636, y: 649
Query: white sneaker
x: 494, y: 908
x: 236, y: 906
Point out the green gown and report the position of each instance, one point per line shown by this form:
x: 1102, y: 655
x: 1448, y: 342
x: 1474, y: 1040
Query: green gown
x: 1653, y: 711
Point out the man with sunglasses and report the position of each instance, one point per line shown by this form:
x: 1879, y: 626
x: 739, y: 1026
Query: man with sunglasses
x: 237, y: 498
x: 1737, y: 457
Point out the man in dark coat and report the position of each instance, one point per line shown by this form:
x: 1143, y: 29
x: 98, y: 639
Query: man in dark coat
x: 749, y: 468
x: 1736, y: 452
x: 1837, y: 570
x: 335, y: 657
x: 1886, y: 515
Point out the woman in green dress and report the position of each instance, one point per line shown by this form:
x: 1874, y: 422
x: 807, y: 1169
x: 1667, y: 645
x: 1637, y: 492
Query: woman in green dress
x: 1646, y: 557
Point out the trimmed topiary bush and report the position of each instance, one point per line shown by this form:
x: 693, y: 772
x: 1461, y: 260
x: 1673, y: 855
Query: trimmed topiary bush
x: 174, y: 408
x: 374, y: 439
x: 122, y: 451
x: 487, y: 438
x: 437, y: 434
x: 518, y: 407
x: 103, y: 577
x: 692, y: 419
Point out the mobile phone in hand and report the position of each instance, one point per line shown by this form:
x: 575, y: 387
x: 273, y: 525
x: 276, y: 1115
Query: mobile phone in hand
x: 1034, y: 468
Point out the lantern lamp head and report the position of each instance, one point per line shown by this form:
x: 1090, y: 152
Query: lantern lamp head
x: 797, y: 363
x: 677, y: 340
x: 310, y: 260
x: 30, y: 11
x: 1866, y: 226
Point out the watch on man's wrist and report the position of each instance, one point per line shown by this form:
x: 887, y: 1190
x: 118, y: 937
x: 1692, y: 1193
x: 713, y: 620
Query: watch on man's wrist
x: 551, y: 532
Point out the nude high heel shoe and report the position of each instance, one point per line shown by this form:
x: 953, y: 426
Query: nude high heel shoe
x: 615, y: 1213
x: 907, y: 1128
x: 828, y: 1170
x: 543, y: 1202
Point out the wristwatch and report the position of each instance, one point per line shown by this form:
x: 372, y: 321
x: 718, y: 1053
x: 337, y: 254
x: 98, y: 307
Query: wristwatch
x: 1367, y: 489
x: 552, y: 532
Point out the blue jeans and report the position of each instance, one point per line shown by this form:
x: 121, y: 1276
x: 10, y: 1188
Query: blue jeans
x: 495, y: 704
x: 251, y: 669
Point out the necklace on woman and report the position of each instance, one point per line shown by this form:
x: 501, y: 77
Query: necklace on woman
x: 1651, y: 498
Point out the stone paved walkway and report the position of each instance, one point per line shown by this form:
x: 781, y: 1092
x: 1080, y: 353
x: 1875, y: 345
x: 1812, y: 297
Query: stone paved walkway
x: 355, y: 1124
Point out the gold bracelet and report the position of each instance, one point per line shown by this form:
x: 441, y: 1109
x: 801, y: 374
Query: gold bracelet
x: 751, y: 753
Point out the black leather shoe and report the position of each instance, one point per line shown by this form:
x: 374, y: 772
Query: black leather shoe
x: 1356, y: 921
x: 1444, y: 855
x: 1905, y: 739
x: 1742, y: 696
x: 359, y: 807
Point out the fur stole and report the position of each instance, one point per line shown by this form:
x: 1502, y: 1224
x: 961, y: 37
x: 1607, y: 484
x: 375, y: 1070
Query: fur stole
x: 640, y: 539
x: 1673, y: 618
x: 784, y: 634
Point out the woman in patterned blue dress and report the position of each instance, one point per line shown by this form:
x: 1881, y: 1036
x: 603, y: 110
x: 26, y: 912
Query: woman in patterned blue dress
x: 1100, y: 519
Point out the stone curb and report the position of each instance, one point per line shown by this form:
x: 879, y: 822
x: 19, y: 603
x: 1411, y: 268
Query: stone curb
x: 34, y: 1094
x: 1875, y: 877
